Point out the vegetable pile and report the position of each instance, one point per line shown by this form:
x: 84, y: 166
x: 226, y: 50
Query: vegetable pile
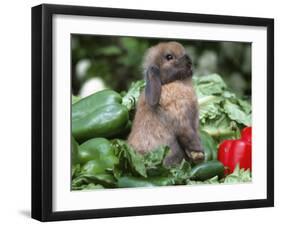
x: 222, y: 114
x: 101, y: 158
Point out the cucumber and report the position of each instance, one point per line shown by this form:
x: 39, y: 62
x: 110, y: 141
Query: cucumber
x: 209, y: 146
x: 207, y: 170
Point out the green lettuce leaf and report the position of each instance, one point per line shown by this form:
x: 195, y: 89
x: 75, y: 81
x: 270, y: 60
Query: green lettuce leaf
x: 236, y: 113
x: 221, y: 113
x: 181, y: 173
x: 106, y: 180
x: 131, y: 97
x: 129, y: 182
x: 209, y: 85
x: 245, y: 105
x: 75, y: 99
x: 156, y: 157
x: 238, y: 176
x: 213, y: 180
x: 221, y: 127
x: 129, y: 160
x: 92, y: 186
x: 209, y: 107
x: 148, y: 169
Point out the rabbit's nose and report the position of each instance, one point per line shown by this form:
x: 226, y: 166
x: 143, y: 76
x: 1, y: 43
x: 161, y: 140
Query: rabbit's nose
x: 188, y: 59
x: 185, y: 59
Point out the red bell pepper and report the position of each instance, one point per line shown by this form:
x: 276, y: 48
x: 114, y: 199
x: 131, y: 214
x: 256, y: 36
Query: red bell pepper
x: 233, y: 152
x: 224, y: 154
x: 247, y: 134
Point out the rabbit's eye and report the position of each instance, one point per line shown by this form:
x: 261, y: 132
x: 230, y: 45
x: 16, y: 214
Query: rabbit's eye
x: 169, y: 57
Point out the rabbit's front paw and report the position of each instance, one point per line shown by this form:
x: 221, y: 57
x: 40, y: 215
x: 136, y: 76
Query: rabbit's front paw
x: 197, y: 156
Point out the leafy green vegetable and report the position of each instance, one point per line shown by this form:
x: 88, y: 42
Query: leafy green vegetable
x: 213, y: 180
x: 245, y: 105
x: 221, y: 128
x: 115, y: 163
x: 209, y: 107
x: 136, y: 170
x: 209, y: 84
x: 130, y: 161
x: 92, y: 186
x: 75, y: 99
x: 236, y: 113
x: 93, y: 171
x: 75, y: 170
x: 81, y: 181
x: 221, y: 113
x: 181, y: 173
x: 132, y: 169
x: 156, y: 173
x: 155, y: 158
x: 238, y: 176
x: 128, y: 181
x: 148, y: 169
x: 131, y: 97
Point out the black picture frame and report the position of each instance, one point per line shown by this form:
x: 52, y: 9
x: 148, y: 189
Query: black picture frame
x: 42, y: 111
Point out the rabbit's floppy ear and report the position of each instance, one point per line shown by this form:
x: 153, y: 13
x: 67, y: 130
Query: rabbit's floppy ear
x: 153, y: 86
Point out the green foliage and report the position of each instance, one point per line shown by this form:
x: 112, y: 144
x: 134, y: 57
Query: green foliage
x: 222, y: 114
x: 100, y: 163
x: 131, y: 97
x: 236, y: 113
x: 118, y: 60
x: 213, y: 180
x: 135, y: 170
x: 130, y: 169
x: 238, y: 176
x: 209, y: 85
x: 134, y: 51
x: 130, y: 161
x: 75, y: 99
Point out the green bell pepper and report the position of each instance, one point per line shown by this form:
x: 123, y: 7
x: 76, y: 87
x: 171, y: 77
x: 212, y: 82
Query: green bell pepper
x: 93, y: 102
x: 94, y: 172
x: 93, y: 167
x: 97, y: 159
x: 105, y: 121
x: 74, y: 151
x: 100, y: 150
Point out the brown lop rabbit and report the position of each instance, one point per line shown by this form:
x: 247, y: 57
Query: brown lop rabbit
x: 167, y: 110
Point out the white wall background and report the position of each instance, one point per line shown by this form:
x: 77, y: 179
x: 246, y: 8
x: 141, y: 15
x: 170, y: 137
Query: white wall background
x: 15, y: 119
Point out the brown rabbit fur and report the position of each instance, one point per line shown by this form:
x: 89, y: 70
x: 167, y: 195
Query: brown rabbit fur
x: 167, y: 110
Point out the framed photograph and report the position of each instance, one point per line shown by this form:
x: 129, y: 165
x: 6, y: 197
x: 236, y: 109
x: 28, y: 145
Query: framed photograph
x: 146, y: 112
